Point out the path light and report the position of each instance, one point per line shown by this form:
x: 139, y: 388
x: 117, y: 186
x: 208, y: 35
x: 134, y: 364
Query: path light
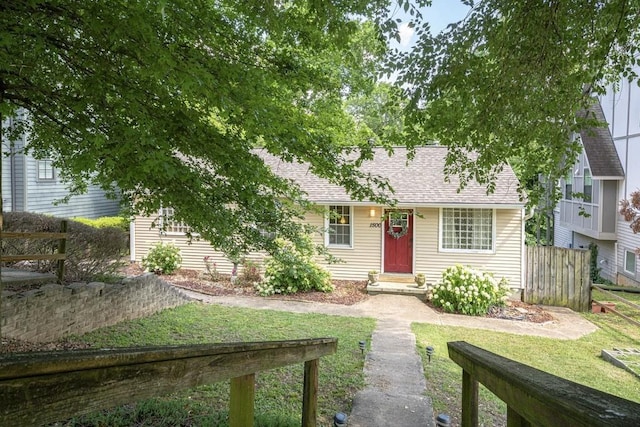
x: 442, y: 420
x: 430, y: 350
x: 362, y: 346
x: 340, y: 420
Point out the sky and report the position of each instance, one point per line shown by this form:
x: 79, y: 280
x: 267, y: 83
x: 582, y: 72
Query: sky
x: 440, y: 14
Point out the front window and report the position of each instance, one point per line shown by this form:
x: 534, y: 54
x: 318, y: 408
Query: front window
x: 467, y: 229
x: 170, y: 226
x: 588, y: 186
x: 340, y: 226
x: 45, y: 170
x: 630, y: 262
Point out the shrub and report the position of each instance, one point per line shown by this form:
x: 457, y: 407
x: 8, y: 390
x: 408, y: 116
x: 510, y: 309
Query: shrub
x: 90, y: 252
x: 467, y: 291
x: 212, y: 270
x: 162, y: 258
x: 292, y: 270
x: 250, y: 271
x: 105, y: 221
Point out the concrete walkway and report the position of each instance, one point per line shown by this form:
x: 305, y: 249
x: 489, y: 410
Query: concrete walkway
x: 397, y: 396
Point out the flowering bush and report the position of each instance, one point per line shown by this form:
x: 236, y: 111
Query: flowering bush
x: 250, y: 271
x: 212, y: 270
x: 163, y: 258
x: 468, y: 291
x: 292, y: 270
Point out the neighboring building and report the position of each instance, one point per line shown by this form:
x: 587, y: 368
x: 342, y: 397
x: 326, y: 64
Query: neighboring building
x: 604, y: 174
x: 30, y: 185
x: 438, y: 226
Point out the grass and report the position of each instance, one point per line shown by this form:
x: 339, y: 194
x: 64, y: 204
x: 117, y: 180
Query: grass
x: 575, y: 360
x: 278, y: 392
x: 278, y: 395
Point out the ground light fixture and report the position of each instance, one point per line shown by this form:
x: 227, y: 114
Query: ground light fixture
x: 443, y: 420
x: 362, y: 345
x: 340, y: 420
x: 430, y: 350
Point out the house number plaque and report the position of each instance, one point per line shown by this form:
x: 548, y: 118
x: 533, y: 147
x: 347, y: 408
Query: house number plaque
x: 375, y: 225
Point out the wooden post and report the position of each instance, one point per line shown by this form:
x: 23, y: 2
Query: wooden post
x: 310, y: 394
x: 514, y: 419
x: 62, y: 249
x: 469, y: 400
x: 241, y: 402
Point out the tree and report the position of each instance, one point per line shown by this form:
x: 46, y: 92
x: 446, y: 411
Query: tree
x: 166, y: 100
x: 630, y: 210
x: 510, y: 79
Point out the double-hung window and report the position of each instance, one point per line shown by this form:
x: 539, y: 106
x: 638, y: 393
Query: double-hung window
x: 467, y: 229
x: 45, y: 170
x: 588, y: 186
x: 340, y: 226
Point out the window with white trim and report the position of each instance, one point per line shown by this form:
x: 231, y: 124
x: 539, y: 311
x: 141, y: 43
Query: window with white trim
x: 45, y: 170
x: 168, y: 225
x: 588, y: 186
x: 340, y: 228
x: 568, y: 187
x: 466, y: 229
x: 630, y: 262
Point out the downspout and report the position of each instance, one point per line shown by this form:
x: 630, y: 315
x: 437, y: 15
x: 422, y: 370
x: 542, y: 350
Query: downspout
x: 12, y: 170
x: 132, y: 240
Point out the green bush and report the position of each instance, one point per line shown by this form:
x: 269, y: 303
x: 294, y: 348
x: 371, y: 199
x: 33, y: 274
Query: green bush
x: 292, y: 270
x: 250, y: 271
x: 90, y: 252
x: 468, y: 291
x: 162, y: 258
x: 105, y: 221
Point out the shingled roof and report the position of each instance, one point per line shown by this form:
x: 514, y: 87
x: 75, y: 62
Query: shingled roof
x: 600, y: 149
x: 419, y: 183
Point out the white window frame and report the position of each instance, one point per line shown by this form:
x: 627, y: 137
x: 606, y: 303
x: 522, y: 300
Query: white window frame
x: 169, y: 227
x: 327, y: 225
x: 441, y: 232
x: 45, y: 165
x: 628, y: 252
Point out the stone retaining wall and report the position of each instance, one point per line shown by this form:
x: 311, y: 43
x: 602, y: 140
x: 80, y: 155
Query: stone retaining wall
x: 53, y: 311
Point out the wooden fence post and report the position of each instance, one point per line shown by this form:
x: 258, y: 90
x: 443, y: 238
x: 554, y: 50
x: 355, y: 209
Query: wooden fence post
x: 242, y: 401
x: 469, y: 400
x: 62, y: 249
x: 310, y: 394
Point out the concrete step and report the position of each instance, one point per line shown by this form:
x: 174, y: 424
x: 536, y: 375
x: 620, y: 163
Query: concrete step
x: 390, y: 410
x: 397, y: 277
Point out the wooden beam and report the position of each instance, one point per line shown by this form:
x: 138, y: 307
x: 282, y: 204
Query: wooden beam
x: 39, y: 257
x: 242, y: 401
x: 469, y: 400
x: 310, y: 394
x: 62, y: 250
x: 40, y: 388
x: 541, y: 398
x: 36, y: 235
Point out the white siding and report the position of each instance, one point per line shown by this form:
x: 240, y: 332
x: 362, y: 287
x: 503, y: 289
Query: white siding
x: 606, y: 254
x: 366, y: 253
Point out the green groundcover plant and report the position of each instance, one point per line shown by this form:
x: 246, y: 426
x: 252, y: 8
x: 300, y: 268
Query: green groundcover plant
x: 468, y: 291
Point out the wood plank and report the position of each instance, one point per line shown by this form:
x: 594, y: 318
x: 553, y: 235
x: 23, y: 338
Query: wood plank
x: 516, y: 420
x: 541, y: 398
x: 43, y: 235
x: 40, y: 388
x: 242, y: 401
x: 619, y: 298
x: 469, y: 400
x: 62, y: 250
x: 310, y: 394
x: 585, y: 301
x: 35, y: 257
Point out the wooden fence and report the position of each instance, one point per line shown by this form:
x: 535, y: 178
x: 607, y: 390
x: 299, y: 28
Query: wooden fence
x: 39, y: 388
x: 60, y: 256
x: 558, y: 277
x: 534, y: 397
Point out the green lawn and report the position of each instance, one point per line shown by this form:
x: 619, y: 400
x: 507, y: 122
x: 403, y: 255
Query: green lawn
x: 576, y: 360
x: 278, y: 392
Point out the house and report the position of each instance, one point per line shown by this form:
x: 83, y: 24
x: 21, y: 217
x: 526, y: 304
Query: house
x: 436, y: 226
x: 32, y: 185
x: 602, y: 175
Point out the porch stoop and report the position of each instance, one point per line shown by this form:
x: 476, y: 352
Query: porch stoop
x: 397, y: 284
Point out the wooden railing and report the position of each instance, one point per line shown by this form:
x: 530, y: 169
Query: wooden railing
x: 60, y: 256
x: 39, y: 388
x: 534, y: 397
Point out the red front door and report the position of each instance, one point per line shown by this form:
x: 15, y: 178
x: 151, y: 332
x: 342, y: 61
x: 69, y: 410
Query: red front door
x: 398, y: 243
